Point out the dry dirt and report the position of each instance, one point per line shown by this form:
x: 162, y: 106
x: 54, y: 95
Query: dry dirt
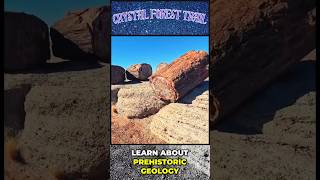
x: 131, y: 131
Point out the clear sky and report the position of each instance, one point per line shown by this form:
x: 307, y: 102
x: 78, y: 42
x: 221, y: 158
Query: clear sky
x: 128, y: 50
x: 50, y: 10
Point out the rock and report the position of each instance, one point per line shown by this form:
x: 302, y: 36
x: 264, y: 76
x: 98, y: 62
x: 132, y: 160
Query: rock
x: 199, y: 96
x: 116, y: 87
x: 117, y: 74
x: 138, y: 101
x: 276, y: 128
x: 66, y: 128
x: 139, y: 72
x: 161, y: 65
x: 181, y: 76
x: 199, y: 157
x: 215, y: 109
x: 254, y: 42
x: 179, y: 123
x: 26, y: 41
x: 114, y: 94
x: 82, y: 35
x: 14, y: 111
x: 134, y: 100
x: 101, y: 31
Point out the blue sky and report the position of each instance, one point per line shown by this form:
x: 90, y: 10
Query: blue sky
x: 128, y: 50
x: 50, y: 10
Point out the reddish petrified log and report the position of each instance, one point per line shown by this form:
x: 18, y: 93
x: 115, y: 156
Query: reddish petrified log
x: 181, y: 76
x: 253, y: 42
x: 82, y: 35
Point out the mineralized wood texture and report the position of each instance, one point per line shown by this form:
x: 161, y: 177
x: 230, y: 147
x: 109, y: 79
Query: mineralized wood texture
x: 138, y: 101
x: 178, y: 78
x: 82, y: 35
x: 139, y: 72
x: 253, y: 42
x: 179, y: 123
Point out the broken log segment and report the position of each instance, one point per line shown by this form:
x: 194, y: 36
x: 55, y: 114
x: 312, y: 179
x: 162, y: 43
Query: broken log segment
x: 161, y: 65
x: 139, y: 72
x: 253, y: 42
x: 181, y: 76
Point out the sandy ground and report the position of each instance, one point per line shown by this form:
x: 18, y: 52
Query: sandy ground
x: 132, y: 131
x: 272, y: 136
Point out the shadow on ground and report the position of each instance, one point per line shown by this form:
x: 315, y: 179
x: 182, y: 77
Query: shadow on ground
x: 62, y: 66
x: 200, y: 89
x: 251, y: 117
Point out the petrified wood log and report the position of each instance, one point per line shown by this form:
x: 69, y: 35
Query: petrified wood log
x: 181, y: 76
x: 82, y: 35
x: 161, y: 65
x: 139, y: 72
x: 253, y: 42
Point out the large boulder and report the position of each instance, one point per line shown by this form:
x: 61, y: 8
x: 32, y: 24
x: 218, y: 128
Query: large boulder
x: 26, y: 42
x: 255, y: 41
x: 82, y: 35
x: 139, y: 72
x: 118, y: 74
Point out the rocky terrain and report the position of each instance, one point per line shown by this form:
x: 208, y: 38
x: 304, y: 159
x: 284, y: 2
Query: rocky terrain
x: 63, y: 125
x: 57, y: 110
x: 273, y: 135
x: 172, y: 108
x: 255, y: 41
x: 136, y: 109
